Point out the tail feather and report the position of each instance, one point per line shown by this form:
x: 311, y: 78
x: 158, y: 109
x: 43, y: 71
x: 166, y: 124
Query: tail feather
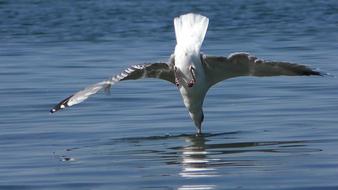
x: 190, y: 30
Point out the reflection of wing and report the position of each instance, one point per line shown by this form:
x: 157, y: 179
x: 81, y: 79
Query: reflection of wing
x: 155, y: 70
x: 242, y: 64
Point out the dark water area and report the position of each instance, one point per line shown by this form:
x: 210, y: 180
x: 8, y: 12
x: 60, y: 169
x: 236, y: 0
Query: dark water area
x: 260, y: 133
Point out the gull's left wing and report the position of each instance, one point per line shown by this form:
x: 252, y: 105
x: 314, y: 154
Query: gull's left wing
x: 219, y: 68
x: 162, y: 71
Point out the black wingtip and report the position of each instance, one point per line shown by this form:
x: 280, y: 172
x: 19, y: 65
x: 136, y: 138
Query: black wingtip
x: 315, y: 72
x: 312, y: 72
x: 54, y: 110
x: 63, y: 104
x: 322, y: 74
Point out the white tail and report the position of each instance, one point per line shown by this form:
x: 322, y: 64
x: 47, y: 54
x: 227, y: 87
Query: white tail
x: 190, y: 30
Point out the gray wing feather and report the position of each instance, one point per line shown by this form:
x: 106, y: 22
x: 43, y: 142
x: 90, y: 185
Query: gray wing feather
x: 243, y: 64
x: 155, y: 70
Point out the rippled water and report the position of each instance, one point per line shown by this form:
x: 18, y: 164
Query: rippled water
x: 261, y: 133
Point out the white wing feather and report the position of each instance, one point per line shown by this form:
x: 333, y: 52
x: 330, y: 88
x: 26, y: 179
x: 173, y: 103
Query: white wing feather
x: 155, y: 70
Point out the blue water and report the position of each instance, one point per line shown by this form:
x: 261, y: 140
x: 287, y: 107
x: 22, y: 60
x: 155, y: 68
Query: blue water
x: 260, y: 133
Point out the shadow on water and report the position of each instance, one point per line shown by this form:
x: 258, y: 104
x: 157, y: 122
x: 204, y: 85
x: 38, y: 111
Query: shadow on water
x: 195, y: 157
x: 206, y: 145
x: 200, y: 151
x: 172, y: 137
x: 202, y: 158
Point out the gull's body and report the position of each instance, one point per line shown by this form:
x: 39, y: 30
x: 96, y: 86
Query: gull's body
x: 190, y: 30
x: 193, y: 72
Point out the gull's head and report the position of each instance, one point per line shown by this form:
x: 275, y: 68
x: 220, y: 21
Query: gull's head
x: 198, y: 118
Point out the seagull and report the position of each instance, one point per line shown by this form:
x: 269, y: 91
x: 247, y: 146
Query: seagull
x: 193, y: 72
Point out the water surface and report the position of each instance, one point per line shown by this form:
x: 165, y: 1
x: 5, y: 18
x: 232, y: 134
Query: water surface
x: 260, y: 133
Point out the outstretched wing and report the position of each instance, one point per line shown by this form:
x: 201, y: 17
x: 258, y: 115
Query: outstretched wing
x: 242, y: 64
x: 156, y: 70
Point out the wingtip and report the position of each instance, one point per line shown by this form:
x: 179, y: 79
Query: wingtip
x: 59, y: 106
x: 315, y: 72
x: 324, y: 74
x: 63, y: 104
x: 320, y: 73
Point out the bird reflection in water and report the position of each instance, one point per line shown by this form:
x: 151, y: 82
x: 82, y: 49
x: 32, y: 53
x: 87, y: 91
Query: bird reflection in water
x: 195, y: 159
x: 196, y: 162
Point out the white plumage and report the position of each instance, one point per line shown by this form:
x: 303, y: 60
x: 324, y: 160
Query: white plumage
x: 190, y: 30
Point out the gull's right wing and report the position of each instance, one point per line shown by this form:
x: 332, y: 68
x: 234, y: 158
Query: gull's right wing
x: 219, y: 68
x: 162, y: 71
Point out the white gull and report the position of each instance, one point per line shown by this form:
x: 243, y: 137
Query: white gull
x: 193, y: 72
